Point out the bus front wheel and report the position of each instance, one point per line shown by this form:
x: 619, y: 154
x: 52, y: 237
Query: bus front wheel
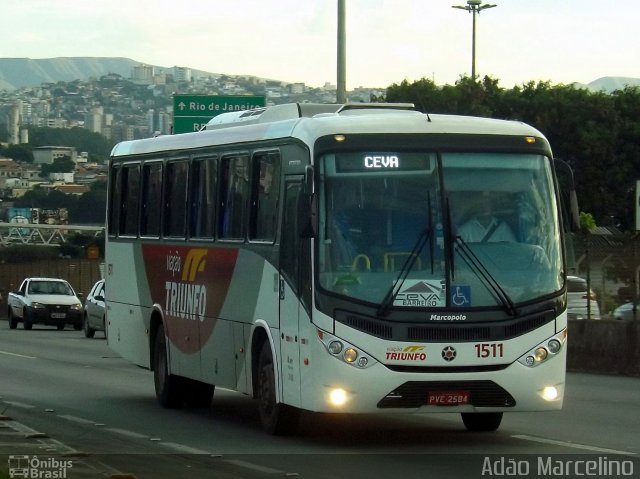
x: 169, y: 388
x: 276, y: 418
x: 481, y: 421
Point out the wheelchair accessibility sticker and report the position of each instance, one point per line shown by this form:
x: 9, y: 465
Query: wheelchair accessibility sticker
x: 461, y: 296
x: 422, y: 293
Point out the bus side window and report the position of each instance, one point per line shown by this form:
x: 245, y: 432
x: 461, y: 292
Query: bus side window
x: 264, y: 196
x: 130, y: 194
x: 175, y: 198
x: 234, y: 192
x: 151, y: 199
x: 203, y: 194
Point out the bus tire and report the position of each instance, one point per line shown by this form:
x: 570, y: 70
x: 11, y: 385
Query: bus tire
x: 481, y: 421
x: 276, y: 418
x: 170, y: 390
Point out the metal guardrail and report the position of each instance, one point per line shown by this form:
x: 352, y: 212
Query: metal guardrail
x: 46, y: 235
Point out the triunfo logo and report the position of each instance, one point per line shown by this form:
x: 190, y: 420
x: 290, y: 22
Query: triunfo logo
x: 408, y: 353
x: 185, y: 299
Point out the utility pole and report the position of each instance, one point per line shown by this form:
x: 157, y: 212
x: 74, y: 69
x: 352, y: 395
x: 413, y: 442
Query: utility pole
x: 341, y: 92
x: 474, y: 7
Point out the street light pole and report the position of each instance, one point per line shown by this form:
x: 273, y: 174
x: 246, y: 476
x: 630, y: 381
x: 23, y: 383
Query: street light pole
x: 341, y: 92
x: 474, y: 6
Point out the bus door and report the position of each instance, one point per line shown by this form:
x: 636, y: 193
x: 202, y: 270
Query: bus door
x: 290, y: 306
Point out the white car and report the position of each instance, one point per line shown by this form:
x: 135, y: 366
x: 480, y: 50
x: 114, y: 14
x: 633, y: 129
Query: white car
x: 94, y: 311
x: 579, y: 300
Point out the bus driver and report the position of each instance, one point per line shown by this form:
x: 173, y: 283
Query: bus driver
x: 485, y: 226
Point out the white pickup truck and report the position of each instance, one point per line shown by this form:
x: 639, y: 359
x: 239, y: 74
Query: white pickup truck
x: 49, y: 301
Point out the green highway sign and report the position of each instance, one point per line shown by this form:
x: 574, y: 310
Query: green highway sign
x: 192, y: 112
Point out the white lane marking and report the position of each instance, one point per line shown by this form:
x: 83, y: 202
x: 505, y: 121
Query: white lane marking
x: 253, y: 467
x: 126, y: 432
x: 76, y: 419
x: 182, y: 448
x: 20, y: 404
x: 524, y: 437
x: 17, y: 355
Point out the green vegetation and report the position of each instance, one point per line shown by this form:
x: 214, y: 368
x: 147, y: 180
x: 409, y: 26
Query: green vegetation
x: 597, y: 134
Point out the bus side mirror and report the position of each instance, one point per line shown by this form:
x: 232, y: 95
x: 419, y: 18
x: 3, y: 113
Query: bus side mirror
x: 308, y: 216
x: 568, y: 196
x: 308, y: 180
x: 308, y: 206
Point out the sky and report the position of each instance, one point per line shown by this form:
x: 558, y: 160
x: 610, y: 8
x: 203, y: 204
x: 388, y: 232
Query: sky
x: 387, y: 41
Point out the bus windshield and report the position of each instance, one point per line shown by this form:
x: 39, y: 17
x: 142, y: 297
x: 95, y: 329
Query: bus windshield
x: 428, y: 230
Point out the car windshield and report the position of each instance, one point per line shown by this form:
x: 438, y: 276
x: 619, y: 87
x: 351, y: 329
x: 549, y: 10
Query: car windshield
x: 49, y: 287
x: 434, y: 227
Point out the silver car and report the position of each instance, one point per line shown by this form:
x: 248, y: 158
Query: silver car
x: 94, y: 311
x: 579, y: 299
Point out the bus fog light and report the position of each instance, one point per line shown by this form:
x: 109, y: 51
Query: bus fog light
x: 550, y: 393
x: 554, y: 346
x: 540, y: 354
x: 335, y: 347
x: 350, y: 355
x: 362, y: 361
x: 338, y: 396
x: 530, y: 360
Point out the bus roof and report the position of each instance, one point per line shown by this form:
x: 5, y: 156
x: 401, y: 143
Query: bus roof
x: 309, y: 122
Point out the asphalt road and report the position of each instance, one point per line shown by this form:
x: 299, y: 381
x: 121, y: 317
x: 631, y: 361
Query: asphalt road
x: 67, y: 396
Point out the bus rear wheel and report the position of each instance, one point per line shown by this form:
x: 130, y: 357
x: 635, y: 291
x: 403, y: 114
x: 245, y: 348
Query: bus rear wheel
x: 481, y: 421
x: 276, y: 418
x: 170, y: 390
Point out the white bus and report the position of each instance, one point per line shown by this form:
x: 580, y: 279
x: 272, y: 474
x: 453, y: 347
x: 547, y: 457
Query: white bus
x: 315, y: 257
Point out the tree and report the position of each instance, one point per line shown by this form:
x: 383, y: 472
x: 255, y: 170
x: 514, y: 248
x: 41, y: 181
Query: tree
x: 597, y: 134
x: 64, y: 164
x: 19, y: 153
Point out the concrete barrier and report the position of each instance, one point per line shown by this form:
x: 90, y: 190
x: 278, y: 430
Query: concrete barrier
x: 606, y: 346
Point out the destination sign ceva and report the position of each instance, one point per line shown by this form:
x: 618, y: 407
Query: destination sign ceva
x: 360, y: 162
x: 192, y: 112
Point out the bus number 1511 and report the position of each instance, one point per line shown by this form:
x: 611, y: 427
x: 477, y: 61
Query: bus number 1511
x: 489, y: 350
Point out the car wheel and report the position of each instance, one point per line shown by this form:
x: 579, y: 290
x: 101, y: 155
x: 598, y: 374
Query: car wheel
x: 13, y: 322
x: 104, y: 327
x: 26, y: 323
x: 481, y: 421
x: 170, y: 389
x: 276, y: 418
x: 88, y: 331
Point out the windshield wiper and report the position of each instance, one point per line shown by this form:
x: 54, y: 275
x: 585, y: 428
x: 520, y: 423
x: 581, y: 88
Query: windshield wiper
x: 425, y: 234
x: 485, y: 276
x: 404, y: 272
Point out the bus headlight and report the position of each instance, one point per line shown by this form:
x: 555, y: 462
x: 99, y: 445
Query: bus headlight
x: 344, y: 351
x: 544, y: 351
x: 540, y: 354
x: 350, y: 355
x: 554, y: 346
x: 335, y: 347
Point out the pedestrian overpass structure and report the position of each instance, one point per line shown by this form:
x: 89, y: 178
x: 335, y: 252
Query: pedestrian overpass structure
x: 45, y: 235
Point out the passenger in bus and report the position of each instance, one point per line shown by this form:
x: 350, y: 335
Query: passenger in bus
x: 485, y: 226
